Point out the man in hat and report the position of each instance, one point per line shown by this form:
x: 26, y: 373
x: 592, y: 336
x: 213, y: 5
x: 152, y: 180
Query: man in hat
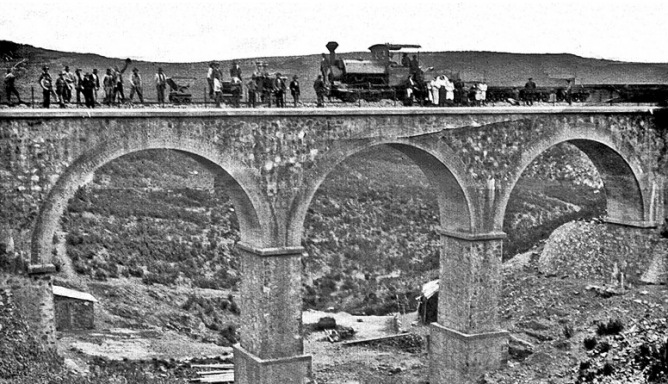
x: 294, y: 89
x: 10, y: 87
x: 160, y: 85
x: 279, y: 90
x: 136, y: 86
x: 61, y: 88
x: 47, y: 87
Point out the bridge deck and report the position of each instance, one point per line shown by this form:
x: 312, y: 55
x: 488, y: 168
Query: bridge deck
x: 352, y: 111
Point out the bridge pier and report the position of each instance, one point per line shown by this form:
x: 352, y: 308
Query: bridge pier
x: 272, y: 347
x: 467, y: 340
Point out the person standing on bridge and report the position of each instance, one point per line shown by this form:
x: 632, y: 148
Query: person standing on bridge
x: 136, y: 86
x: 569, y: 92
x: 279, y: 90
x: 529, y: 91
x: 10, y: 88
x: 252, y: 90
x: 320, y: 90
x: 324, y: 67
x: 294, y: 89
x: 46, y: 84
x: 160, y: 85
x: 108, y: 83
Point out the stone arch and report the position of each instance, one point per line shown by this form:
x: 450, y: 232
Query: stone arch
x: 623, y: 176
x: 441, y: 166
x: 253, y: 211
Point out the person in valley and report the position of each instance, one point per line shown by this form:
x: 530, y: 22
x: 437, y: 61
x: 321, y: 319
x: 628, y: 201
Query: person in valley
x: 136, y: 86
x: 320, y: 90
x: 45, y: 83
x: 294, y: 90
x: 529, y: 91
x: 10, y: 86
x: 279, y: 90
x: 108, y: 83
x: 160, y: 85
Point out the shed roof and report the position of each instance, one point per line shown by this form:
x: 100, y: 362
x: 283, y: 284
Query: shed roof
x: 71, y: 293
x: 429, y: 289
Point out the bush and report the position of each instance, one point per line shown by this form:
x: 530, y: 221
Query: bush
x: 613, y: 327
x: 590, y: 343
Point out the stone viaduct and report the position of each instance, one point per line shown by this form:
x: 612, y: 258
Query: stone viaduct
x: 272, y: 162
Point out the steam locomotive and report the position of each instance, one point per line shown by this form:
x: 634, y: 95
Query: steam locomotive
x: 370, y: 80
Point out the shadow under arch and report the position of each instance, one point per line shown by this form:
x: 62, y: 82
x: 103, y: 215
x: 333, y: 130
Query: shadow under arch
x: 442, y: 168
x: 621, y: 176
x: 242, y: 187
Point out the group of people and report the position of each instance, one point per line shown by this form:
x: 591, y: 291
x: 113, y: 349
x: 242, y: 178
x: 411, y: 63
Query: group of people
x: 88, y: 85
x: 441, y: 91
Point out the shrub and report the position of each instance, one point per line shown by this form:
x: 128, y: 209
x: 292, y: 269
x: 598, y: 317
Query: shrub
x: 613, y: 327
x: 590, y: 343
x: 607, y: 369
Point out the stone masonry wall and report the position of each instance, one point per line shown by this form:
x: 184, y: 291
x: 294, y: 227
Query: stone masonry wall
x: 73, y: 314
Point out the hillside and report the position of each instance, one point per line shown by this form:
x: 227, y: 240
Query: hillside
x: 495, y: 68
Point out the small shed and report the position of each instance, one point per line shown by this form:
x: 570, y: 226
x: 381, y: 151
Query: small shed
x: 428, y: 303
x: 74, y: 309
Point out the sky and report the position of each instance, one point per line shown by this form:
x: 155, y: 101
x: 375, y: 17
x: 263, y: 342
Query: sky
x: 203, y: 30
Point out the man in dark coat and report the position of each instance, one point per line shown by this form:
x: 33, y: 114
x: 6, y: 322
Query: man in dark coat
x: 320, y: 90
x: 529, y: 91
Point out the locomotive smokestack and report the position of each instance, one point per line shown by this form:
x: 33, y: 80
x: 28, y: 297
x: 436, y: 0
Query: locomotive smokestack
x: 331, y: 47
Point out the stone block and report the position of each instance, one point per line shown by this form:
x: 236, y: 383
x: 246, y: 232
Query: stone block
x: 458, y: 358
x: 250, y: 369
